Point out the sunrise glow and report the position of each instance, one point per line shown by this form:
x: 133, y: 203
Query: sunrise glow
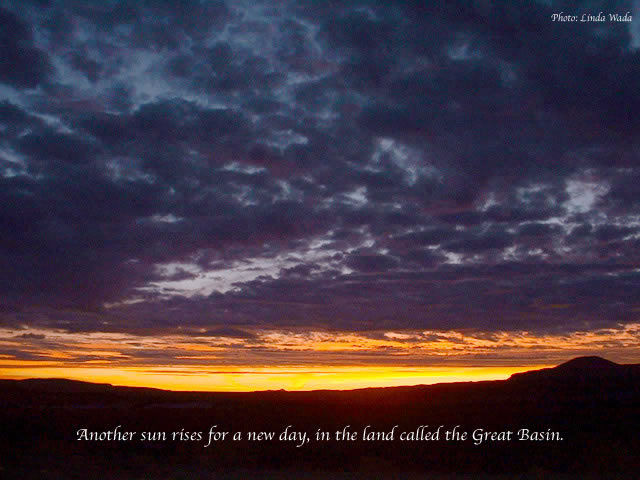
x: 297, y: 360
x: 243, y: 379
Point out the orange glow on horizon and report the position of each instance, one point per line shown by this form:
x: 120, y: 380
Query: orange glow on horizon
x: 246, y: 379
x: 299, y: 359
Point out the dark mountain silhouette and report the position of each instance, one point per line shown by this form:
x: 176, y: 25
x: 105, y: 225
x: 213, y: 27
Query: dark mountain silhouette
x: 582, y: 366
x: 589, y: 402
x: 63, y: 385
x: 594, y: 372
x: 55, y: 385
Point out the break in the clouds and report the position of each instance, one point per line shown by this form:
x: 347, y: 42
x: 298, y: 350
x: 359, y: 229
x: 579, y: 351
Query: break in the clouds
x: 355, y: 166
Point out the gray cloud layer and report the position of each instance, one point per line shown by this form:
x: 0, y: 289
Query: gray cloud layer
x: 350, y: 165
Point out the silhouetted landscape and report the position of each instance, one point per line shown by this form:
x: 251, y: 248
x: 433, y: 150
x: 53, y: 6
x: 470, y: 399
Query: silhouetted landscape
x: 589, y: 401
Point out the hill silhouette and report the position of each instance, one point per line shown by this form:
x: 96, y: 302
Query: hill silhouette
x: 589, y: 401
x: 588, y: 363
x: 583, y: 366
x: 586, y: 372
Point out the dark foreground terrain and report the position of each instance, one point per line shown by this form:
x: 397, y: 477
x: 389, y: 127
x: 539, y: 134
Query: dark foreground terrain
x: 584, y: 415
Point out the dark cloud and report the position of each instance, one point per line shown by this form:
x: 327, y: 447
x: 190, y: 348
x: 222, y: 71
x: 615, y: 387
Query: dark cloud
x: 50, y: 147
x: 228, y: 332
x: 371, y: 262
x: 22, y: 65
x: 478, y: 242
x: 31, y: 336
x: 357, y: 165
x: 86, y: 65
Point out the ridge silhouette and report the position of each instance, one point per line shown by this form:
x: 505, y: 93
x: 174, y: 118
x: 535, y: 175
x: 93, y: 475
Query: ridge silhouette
x: 581, y: 369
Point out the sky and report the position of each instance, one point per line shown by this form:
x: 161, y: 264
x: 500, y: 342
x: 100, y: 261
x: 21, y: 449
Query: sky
x: 241, y: 195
